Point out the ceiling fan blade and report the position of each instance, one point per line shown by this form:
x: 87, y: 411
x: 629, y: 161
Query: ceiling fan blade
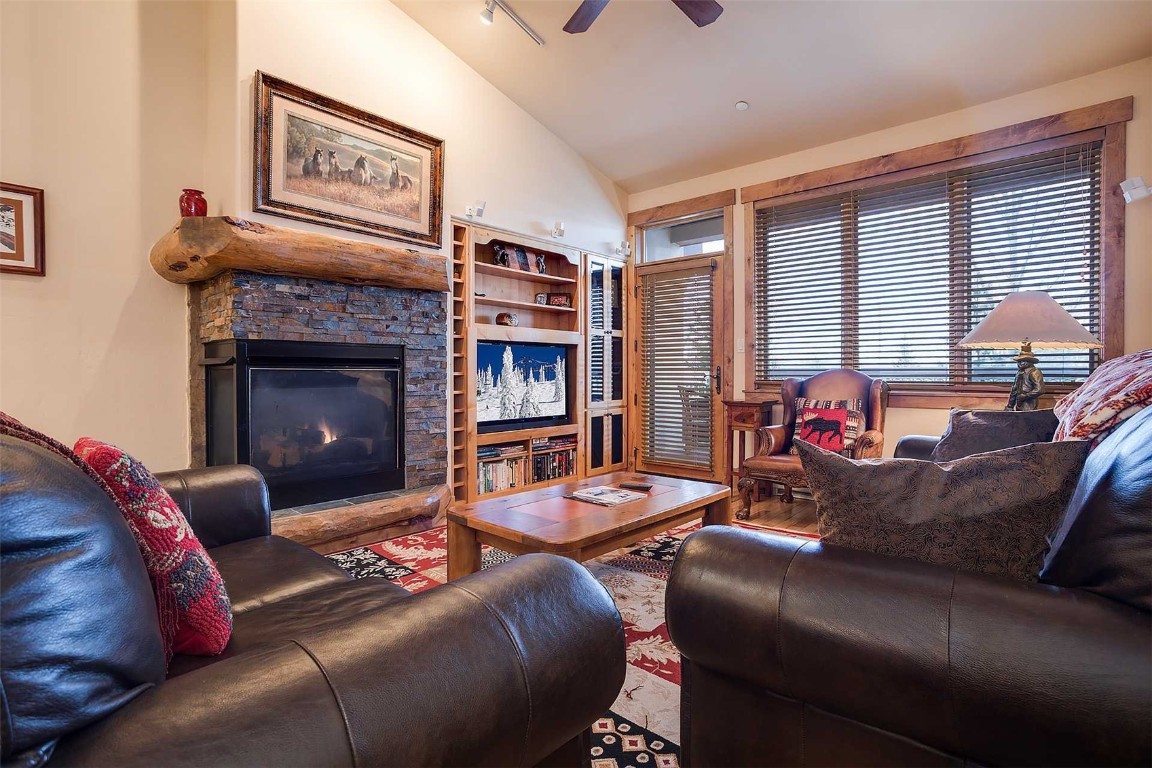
x: 702, y: 12
x: 584, y: 16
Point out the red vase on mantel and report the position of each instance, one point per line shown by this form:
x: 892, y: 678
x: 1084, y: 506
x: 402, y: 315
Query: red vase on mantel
x: 192, y: 203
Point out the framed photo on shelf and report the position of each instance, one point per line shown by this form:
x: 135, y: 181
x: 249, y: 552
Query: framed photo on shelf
x: 323, y: 161
x: 541, y: 298
x: 21, y: 229
x: 522, y: 260
x: 560, y: 300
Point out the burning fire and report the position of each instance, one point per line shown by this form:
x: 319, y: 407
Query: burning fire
x: 324, y: 427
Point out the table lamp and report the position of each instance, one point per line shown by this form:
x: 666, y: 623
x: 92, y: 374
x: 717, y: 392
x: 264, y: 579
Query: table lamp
x: 1028, y: 319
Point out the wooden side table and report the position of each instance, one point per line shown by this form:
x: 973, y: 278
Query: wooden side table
x: 744, y: 416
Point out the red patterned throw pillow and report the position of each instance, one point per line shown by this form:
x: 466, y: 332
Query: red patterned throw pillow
x: 195, y: 613
x: 831, y: 424
x: 1117, y: 390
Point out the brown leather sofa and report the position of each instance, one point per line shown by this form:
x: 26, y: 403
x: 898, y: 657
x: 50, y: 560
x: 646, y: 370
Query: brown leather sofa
x: 802, y: 654
x: 509, y: 666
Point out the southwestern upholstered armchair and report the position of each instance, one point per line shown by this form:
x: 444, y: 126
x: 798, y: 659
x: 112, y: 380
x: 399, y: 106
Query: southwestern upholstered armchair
x: 772, y: 463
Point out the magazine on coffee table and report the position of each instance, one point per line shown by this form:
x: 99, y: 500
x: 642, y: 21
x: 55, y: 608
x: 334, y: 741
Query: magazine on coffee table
x: 606, y: 495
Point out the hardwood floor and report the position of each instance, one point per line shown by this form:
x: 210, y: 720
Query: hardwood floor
x: 771, y: 512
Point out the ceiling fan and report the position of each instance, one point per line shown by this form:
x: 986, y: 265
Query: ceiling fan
x: 701, y: 12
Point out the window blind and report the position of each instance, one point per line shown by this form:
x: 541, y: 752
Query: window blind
x: 888, y: 279
x: 675, y: 365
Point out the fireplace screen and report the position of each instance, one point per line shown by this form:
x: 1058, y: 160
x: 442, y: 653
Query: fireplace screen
x: 315, y: 424
x: 320, y: 421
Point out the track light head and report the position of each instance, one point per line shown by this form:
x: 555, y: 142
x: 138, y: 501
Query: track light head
x: 486, y: 14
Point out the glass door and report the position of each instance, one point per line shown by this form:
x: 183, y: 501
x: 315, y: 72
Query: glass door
x: 679, y: 424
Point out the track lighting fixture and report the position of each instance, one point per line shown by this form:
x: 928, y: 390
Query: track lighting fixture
x: 490, y: 6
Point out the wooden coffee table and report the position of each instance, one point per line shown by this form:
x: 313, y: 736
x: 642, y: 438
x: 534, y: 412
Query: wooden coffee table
x: 544, y: 521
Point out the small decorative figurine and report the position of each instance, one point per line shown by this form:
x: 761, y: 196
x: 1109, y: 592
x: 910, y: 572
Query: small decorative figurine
x: 501, y: 254
x: 541, y: 298
x: 541, y: 265
x: 507, y: 318
x: 1028, y: 385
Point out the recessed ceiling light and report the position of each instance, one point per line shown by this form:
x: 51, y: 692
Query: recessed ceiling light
x: 741, y: 106
x: 486, y: 14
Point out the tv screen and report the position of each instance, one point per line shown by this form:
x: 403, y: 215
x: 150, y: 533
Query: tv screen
x: 520, y: 385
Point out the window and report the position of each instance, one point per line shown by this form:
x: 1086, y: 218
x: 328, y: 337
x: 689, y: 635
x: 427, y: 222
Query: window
x: 888, y: 278
x: 695, y: 237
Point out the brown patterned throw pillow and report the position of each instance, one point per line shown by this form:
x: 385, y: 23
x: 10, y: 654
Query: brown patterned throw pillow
x: 978, y: 431
x: 990, y: 512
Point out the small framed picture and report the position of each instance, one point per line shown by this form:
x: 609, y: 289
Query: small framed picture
x: 541, y: 298
x: 560, y: 300
x: 21, y: 229
x: 522, y: 260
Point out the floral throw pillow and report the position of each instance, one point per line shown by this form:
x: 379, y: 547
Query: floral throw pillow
x: 833, y: 425
x: 195, y: 613
x: 1115, y: 391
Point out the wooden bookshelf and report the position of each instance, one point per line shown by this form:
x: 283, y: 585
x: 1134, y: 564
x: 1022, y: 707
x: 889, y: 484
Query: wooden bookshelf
x: 481, y: 290
x: 529, y: 306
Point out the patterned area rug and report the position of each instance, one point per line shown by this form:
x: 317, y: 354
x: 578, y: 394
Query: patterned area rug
x: 642, y: 729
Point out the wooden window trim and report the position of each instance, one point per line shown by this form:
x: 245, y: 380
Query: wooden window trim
x: 690, y: 207
x: 1073, y: 121
x: 1105, y: 122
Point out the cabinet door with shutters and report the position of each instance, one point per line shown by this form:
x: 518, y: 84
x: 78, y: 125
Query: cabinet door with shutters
x: 606, y: 435
x: 679, y: 418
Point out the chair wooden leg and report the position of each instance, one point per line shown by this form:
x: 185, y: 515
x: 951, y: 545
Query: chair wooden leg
x: 745, y: 487
x: 786, y: 497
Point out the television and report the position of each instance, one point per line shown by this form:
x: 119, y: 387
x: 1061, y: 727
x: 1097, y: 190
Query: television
x: 521, y: 385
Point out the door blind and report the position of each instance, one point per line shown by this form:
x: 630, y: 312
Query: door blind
x: 888, y: 279
x: 676, y: 363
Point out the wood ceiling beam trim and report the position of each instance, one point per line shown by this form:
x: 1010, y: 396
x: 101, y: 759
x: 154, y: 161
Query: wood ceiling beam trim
x: 1040, y: 129
x: 712, y: 202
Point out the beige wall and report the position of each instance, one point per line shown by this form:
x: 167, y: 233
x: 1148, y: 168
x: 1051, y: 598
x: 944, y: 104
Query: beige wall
x: 102, y: 108
x: 1130, y: 80
x: 112, y: 107
x: 388, y: 64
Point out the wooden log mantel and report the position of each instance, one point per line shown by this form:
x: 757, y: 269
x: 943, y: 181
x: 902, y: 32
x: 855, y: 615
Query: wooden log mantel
x: 199, y: 248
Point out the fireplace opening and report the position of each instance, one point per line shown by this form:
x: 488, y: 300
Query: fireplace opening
x: 320, y: 421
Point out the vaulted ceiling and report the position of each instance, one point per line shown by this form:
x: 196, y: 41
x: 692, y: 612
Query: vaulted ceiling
x: 648, y: 98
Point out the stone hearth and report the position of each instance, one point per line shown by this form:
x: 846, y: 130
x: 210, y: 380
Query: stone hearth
x: 244, y: 305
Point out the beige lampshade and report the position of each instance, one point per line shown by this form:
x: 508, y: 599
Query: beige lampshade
x: 1029, y: 317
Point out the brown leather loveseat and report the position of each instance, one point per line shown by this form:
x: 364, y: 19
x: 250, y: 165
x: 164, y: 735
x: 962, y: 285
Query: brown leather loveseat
x: 509, y: 666
x: 802, y: 654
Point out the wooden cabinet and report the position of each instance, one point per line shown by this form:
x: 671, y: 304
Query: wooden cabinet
x: 499, y: 461
x: 607, y: 354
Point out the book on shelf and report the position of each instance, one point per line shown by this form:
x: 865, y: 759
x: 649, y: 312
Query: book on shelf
x: 605, y: 495
x: 501, y: 475
x: 550, y: 466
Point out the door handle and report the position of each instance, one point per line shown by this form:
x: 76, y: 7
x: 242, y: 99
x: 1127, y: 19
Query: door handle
x: 717, y: 377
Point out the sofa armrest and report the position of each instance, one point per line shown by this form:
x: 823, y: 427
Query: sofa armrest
x: 998, y: 671
x: 222, y: 504
x: 503, y: 667
x: 915, y: 447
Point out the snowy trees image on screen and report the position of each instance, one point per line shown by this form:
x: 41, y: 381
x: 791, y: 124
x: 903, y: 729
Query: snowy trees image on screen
x: 520, y: 382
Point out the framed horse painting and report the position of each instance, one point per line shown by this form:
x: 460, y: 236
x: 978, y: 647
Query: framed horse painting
x: 321, y: 160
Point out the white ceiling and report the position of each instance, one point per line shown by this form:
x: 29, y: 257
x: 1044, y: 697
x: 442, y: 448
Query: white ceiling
x: 647, y: 98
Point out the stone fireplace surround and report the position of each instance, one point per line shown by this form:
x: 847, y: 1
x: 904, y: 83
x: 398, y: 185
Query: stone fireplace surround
x: 246, y: 305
